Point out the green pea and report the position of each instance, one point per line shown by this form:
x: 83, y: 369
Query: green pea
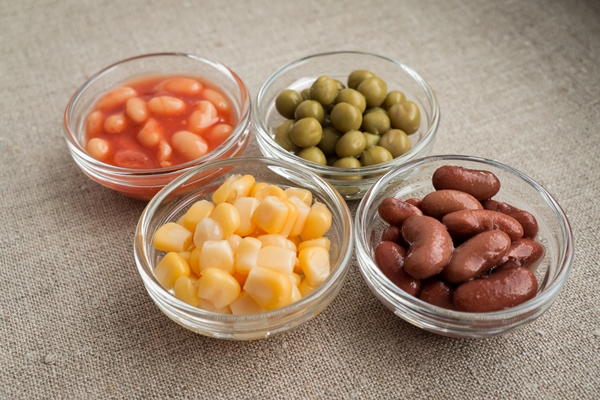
x: 375, y: 109
x: 393, y: 97
x: 357, y: 76
x: 376, y: 122
x: 353, y: 97
x: 313, y: 154
x: 286, y: 103
x: 306, y: 132
x: 374, y: 89
x: 347, y: 162
x: 329, y: 139
x: 375, y: 155
x: 305, y: 93
x: 396, y: 142
x: 282, y: 136
x: 345, y: 117
x: 324, y: 90
x: 310, y: 108
x: 372, y: 139
x: 405, y: 116
x: 351, y: 144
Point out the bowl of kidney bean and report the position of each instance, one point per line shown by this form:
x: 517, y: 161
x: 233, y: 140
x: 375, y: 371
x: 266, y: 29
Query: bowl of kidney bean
x: 463, y: 246
x: 141, y: 122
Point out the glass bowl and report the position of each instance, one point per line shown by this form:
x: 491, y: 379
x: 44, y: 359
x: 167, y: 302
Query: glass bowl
x: 145, y: 183
x: 199, y: 183
x: 301, y: 73
x: 414, y: 180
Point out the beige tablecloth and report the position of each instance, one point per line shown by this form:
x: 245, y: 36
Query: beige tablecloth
x: 517, y: 81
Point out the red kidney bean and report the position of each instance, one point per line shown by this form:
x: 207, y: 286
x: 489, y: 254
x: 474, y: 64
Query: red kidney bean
x: 438, y: 293
x: 526, y: 253
x: 476, y: 256
x: 498, y: 291
x: 395, y: 212
x: 389, y: 257
x: 480, y: 184
x: 430, y: 246
x: 392, y: 234
x: 441, y: 202
x: 467, y: 223
x: 414, y: 201
x: 525, y: 218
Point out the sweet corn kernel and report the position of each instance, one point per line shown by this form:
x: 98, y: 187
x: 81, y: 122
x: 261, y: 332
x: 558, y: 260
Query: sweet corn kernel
x: 277, y: 259
x: 170, y: 268
x: 185, y: 290
x: 270, y: 215
x: 257, y: 186
x: 198, y: 211
x: 241, y: 187
x: 257, y: 232
x: 270, y: 190
x: 209, y: 306
x: 194, y: 261
x: 303, y: 194
x: 296, y: 295
x: 207, y: 229
x: 227, y: 217
x: 268, y: 288
x: 172, y: 237
x: 275, y: 239
x: 218, y: 287
x: 185, y: 255
x: 291, y: 218
x: 304, y: 288
x: 320, y: 242
x: 246, y: 207
x: 317, y: 223
x: 314, y: 262
x: 245, y: 305
x: 296, y: 278
x: 216, y: 254
x: 234, y: 241
x: 246, y: 254
x: 303, y: 211
x: 224, y: 191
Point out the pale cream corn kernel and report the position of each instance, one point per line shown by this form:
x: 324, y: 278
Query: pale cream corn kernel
x: 303, y: 194
x: 277, y: 240
x: 314, y: 262
x: 170, y: 268
x: 186, y: 256
x: 317, y: 223
x: 227, y: 217
x: 303, y: 211
x: 218, y: 287
x: 257, y: 187
x: 304, y: 288
x: 320, y: 242
x: 207, y: 229
x: 216, y: 254
x: 234, y: 241
x: 196, y: 213
x: 270, y: 190
x: 246, y: 207
x: 194, y: 261
x: 270, y: 215
x: 296, y: 295
x: 209, y: 306
x: 277, y: 259
x: 241, y: 187
x: 246, y: 255
x: 186, y: 291
x: 245, y: 305
x: 296, y: 278
x: 172, y: 237
x: 290, y: 221
x: 268, y: 288
x: 224, y: 191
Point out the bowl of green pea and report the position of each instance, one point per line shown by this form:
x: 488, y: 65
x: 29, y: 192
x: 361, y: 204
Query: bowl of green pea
x: 347, y: 116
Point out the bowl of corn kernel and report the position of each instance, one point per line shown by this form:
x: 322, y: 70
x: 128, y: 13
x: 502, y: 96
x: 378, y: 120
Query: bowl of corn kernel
x: 244, y: 248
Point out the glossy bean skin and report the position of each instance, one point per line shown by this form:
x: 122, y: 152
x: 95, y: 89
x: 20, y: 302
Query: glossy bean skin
x: 498, y: 291
x: 441, y: 202
x: 525, y: 218
x: 415, y: 201
x: 476, y: 256
x: 395, y: 212
x: 438, y: 293
x: 468, y: 223
x: 480, y: 184
x: 392, y: 233
x: 389, y: 257
x: 430, y: 246
x: 526, y: 253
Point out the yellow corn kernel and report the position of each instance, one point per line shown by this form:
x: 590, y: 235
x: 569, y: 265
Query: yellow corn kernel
x: 246, y: 207
x: 241, y: 187
x: 185, y: 290
x: 303, y: 211
x: 270, y: 215
x: 227, y: 217
x: 314, y: 262
x: 304, y: 288
x: 268, y: 288
x: 224, y: 191
x: 241, y: 278
x: 257, y: 232
x: 270, y: 190
x: 245, y: 305
x: 320, y: 242
x: 296, y: 295
x: 209, y: 306
x: 296, y: 279
x: 291, y: 218
x: 194, y: 261
x: 277, y: 259
x: 303, y: 194
x: 216, y: 254
x: 234, y: 241
x: 246, y: 254
x: 207, y: 229
x: 317, y: 223
x: 275, y: 239
x: 180, y: 221
x: 172, y: 237
x: 170, y: 268
x: 218, y: 287
x: 185, y: 255
x: 257, y: 186
x: 197, y: 212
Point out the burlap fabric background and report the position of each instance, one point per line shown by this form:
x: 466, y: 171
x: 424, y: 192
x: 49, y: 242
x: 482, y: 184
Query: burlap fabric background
x: 518, y: 81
